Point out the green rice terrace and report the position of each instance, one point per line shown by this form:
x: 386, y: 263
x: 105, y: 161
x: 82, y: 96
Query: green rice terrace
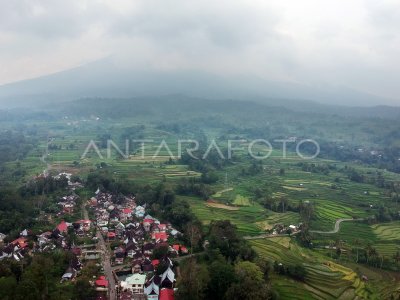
x: 325, y: 279
x: 262, y: 199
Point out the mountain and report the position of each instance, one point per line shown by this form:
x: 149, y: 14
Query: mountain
x: 105, y: 79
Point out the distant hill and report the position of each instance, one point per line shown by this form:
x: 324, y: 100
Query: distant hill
x: 105, y: 79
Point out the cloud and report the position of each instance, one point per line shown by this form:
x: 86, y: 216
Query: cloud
x: 344, y: 43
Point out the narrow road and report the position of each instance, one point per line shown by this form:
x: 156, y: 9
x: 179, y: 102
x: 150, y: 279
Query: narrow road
x: 106, y: 259
x: 180, y: 258
x: 337, y: 226
x: 335, y: 230
x: 85, y: 212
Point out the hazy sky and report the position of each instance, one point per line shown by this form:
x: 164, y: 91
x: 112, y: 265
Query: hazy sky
x: 352, y: 43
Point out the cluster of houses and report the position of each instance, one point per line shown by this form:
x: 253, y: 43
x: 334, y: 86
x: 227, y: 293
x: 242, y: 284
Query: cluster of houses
x: 134, y: 236
x: 28, y: 243
x: 281, y: 229
x: 67, y: 204
x: 16, y: 249
x: 47, y: 241
x: 50, y: 240
x: 71, y: 184
x: 149, y: 284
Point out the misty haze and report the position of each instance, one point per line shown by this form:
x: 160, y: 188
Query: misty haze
x: 200, y: 150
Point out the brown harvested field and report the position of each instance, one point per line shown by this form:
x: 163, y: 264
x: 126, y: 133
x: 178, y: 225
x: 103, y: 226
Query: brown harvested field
x: 211, y: 203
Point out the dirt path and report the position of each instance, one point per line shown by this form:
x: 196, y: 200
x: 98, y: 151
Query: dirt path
x: 337, y: 226
x: 43, y: 158
x: 268, y: 236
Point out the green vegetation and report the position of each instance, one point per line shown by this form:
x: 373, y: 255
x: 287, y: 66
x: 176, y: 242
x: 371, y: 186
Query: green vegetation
x: 200, y: 196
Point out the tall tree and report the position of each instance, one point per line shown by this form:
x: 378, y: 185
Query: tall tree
x: 250, y: 284
x: 222, y: 275
x: 193, y: 281
x: 357, y: 244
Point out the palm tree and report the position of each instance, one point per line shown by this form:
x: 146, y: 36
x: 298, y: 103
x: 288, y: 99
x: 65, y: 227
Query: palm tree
x: 339, y: 246
x: 284, y: 203
x: 331, y: 245
x: 357, y: 244
x: 371, y: 252
x: 396, y: 258
x: 367, y: 252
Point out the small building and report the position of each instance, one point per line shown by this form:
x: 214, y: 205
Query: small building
x: 111, y: 235
x: 174, y: 232
x: 134, y: 283
x: 84, y: 224
x: 101, y: 283
x: 127, y: 213
x: 139, y: 211
x: 168, y: 279
x: 155, y: 263
x: 119, y: 255
x: 62, y: 227
x: 147, y: 266
x: 147, y: 224
x: 25, y: 233
x: 119, y: 229
x: 162, y: 227
x: 166, y: 294
x: 152, y: 291
x: 148, y: 248
x: 160, y: 236
x: 180, y: 249
x: 2, y: 237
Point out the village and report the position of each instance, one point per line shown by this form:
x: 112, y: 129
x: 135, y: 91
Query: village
x: 132, y: 252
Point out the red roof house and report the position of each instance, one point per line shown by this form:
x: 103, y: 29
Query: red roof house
x: 76, y: 250
x: 21, y: 242
x: 160, y: 236
x: 127, y: 211
x: 162, y: 227
x: 111, y: 235
x: 62, y: 227
x: 102, y: 282
x: 177, y: 247
x: 155, y: 262
x: 166, y: 294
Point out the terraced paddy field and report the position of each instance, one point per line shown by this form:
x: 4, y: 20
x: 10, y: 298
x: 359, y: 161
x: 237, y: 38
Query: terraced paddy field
x: 325, y: 279
x: 226, y: 195
x: 333, y: 194
x: 387, y: 249
x: 245, y: 218
x: 213, y: 204
x: 287, y: 218
x: 350, y: 231
x: 327, y: 212
x: 387, y: 231
x: 288, y: 288
x: 241, y: 201
x: 381, y: 284
x: 384, y: 237
x: 220, y: 193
